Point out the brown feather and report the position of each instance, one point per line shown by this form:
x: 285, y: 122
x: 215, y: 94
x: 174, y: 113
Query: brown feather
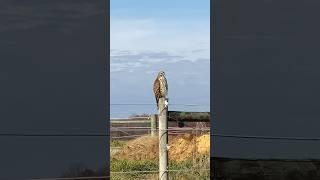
x: 156, y: 90
x: 160, y: 87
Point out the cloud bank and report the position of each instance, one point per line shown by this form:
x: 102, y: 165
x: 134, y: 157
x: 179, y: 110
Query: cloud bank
x: 141, y: 47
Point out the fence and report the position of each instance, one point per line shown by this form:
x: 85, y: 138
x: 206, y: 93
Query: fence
x: 182, y: 127
x: 145, y: 128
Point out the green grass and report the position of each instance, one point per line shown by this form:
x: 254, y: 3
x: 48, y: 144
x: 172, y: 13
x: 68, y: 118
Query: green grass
x: 190, y: 169
x: 126, y: 165
x: 117, y: 143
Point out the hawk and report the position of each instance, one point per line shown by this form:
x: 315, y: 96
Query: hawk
x: 160, y: 87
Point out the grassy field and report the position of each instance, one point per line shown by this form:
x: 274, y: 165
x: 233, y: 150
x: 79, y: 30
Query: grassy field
x: 196, y: 167
x: 187, y: 170
x: 117, y: 143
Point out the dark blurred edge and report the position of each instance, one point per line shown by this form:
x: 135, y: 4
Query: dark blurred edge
x: 107, y: 7
x: 81, y: 170
x: 286, y: 169
x: 213, y: 12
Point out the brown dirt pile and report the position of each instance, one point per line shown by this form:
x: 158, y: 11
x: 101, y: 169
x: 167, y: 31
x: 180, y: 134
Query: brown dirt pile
x: 182, y: 147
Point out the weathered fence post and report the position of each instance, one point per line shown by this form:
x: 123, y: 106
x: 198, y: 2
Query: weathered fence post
x: 153, y: 124
x: 163, y: 139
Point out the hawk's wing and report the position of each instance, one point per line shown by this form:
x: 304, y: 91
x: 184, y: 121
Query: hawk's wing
x: 156, y: 90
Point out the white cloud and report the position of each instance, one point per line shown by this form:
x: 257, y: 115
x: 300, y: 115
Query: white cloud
x: 188, y: 38
x: 130, y: 61
x: 134, y: 85
x: 140, y: 48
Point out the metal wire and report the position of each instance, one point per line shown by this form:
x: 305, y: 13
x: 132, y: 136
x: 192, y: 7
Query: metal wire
x: 267, y: 137
x: 216, y: 135
x: 155, y: 171
x: 51, y: 135
x: 170, y: 129
x: 131, y: 136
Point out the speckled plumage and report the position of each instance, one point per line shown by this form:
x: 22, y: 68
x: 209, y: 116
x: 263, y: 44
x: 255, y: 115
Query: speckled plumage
x: 160, y: 87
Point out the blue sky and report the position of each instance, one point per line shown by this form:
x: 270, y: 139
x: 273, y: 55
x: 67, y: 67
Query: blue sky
x: 147, y: 36
x: 164, y: 9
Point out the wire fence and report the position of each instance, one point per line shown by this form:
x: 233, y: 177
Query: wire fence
x: 198, y: 163
x: 120, y: 172
x: 156, y: 171
x: 293, y: 138
x: 188, y: 157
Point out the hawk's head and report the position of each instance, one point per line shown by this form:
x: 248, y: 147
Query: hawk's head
x: 161, y: 74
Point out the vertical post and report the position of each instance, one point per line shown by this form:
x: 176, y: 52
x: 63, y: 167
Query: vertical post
x: 163, y: 139
x: 153, y: 124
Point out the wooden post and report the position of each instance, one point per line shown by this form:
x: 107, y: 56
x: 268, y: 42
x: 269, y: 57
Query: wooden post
x: 163, y: 139
x: 153, y: 127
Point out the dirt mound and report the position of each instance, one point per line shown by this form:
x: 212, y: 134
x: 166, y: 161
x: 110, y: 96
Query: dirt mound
x: 144, y: 147
x: 187, y: 146
x: 182, y: 147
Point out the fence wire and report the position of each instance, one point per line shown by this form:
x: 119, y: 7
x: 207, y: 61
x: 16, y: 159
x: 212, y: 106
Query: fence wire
x: 198, y: 163
x: 156, y: 171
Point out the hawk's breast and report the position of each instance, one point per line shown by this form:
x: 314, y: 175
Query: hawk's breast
x: 163, y: 87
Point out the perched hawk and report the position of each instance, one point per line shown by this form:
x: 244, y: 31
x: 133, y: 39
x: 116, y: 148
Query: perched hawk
x: 160, y: 87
